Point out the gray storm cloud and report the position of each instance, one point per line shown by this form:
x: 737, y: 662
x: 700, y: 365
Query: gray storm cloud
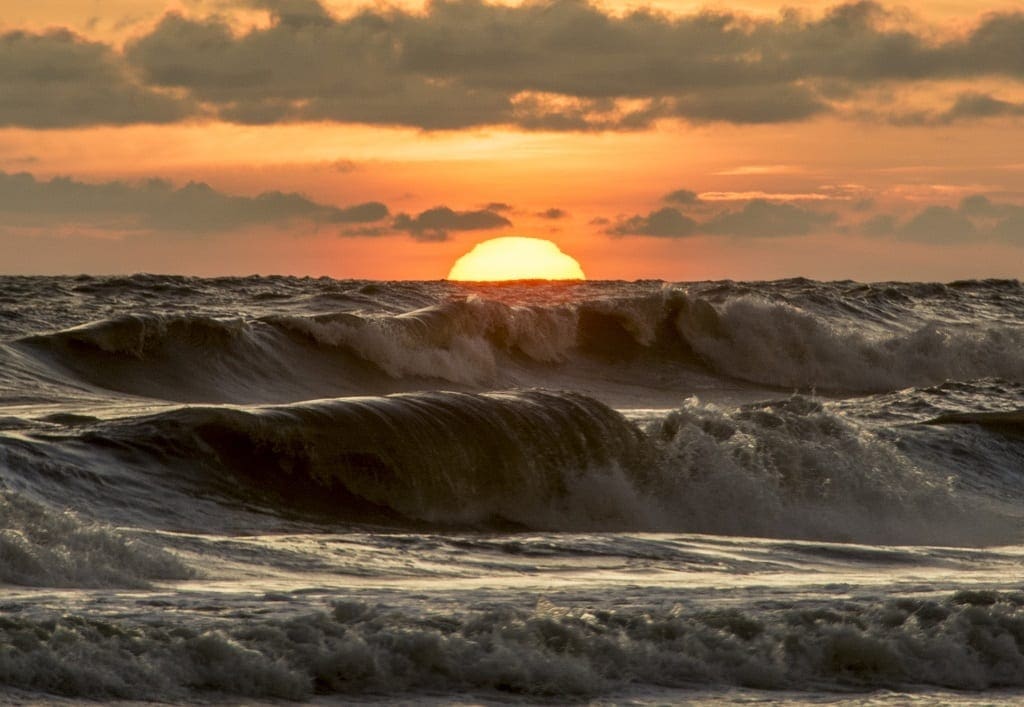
x: 552, y: 65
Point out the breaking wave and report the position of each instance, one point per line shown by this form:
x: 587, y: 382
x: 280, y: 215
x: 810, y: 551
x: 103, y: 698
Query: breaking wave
x: 781, y: 345
x: 871, y: 342
x: 558, y: 461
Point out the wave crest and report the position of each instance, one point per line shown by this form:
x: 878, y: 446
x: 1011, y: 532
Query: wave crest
x: 777, y: 344
x: 871, y: 341
x: 561, y: 461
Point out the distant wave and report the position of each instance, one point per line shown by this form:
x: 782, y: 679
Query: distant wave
x: 478, y: 344
x: 193, y: 358
x: 778, y: 344
x: 554, y: 461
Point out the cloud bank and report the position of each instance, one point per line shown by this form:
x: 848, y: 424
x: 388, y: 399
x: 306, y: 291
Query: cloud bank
x: 156, y: 204
x: 197, y: 209
x: 976, y: 219
x: 758, y: 218
x: 542, y: 65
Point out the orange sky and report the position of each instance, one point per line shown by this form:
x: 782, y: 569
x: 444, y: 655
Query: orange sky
x: 862, y: 141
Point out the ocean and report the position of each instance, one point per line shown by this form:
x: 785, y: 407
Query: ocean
x: 266, y: 489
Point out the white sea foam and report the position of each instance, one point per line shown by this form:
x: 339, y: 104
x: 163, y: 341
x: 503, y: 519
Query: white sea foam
x: 781, y: 345
x: 43, y: 548
x: 970, y: 640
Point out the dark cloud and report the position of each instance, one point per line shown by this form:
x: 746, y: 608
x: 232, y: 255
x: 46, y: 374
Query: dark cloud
x: 751, y: 104
x: 980, y: 206
x: 999, y: 220
x: 435, y: 224
x: 681, y: 196
x: 759, y: 218
x: 666, y: 223
x: 466, y: 62
x: 156, y: 205
x: 967, y: 106
x: 879, y: 225
x: 57, y: 80
x: 980, y: 105
x: 308, y: 66
x: 1010, y: 228
x: 977, y: 218
x: 553, y: 214
x: 542, y: 65
x: 937, y: 224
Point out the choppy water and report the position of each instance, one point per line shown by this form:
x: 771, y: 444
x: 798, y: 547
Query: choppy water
x: 254, y: 489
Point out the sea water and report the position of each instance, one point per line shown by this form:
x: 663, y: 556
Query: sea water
x: 260, y: 489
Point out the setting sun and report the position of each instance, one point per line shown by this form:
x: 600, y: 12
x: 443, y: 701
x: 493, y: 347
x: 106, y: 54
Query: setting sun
x: 516, y: 258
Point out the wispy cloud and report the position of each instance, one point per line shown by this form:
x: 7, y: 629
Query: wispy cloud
x: 759, y: 170
x: 773, y: 196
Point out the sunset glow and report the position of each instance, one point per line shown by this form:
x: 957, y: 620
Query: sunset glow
x: 515, y: 258
x: 744, y: 139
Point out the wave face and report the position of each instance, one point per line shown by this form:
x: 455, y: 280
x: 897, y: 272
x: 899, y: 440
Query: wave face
x: 445, y: 458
